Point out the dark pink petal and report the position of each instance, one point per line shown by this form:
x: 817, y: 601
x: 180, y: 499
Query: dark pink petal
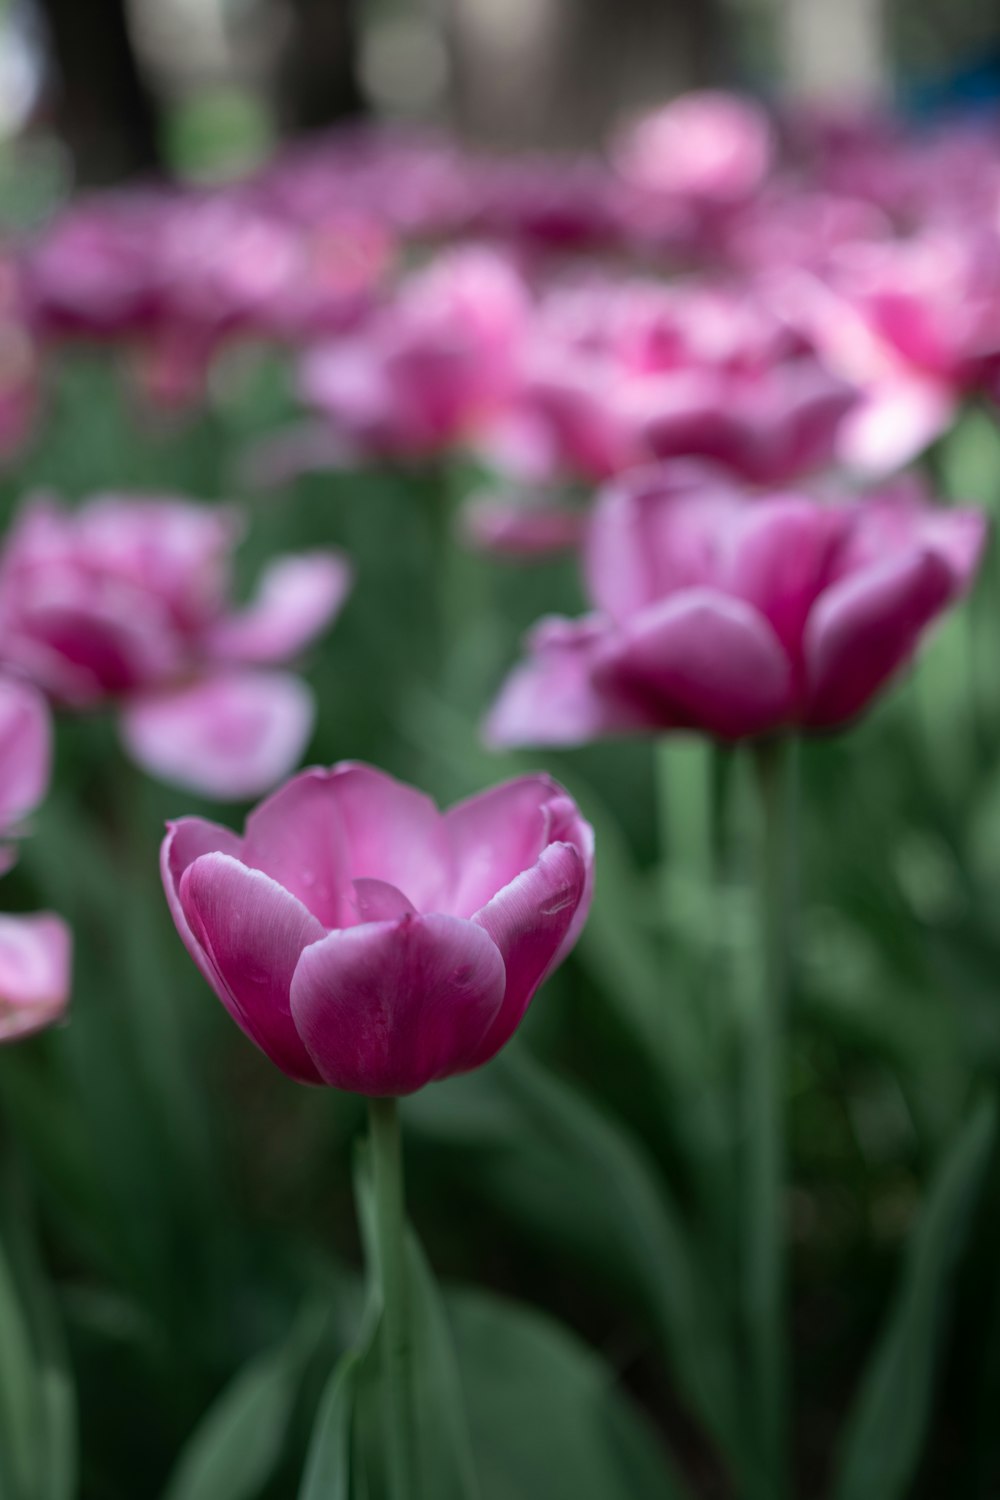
x: 297, y: 837
x: 35, y: 962
x: 228, y: 736
x: 552, y: 697
x: 25, y: 750
x: 393, y: 833
x: 702, y: 660
x: 252, y: 934
x: 782, y: 560
x: 529, y: 921
x: 298, y: 597
x: 866, y: 627
x: 187, y: 840
x: 656, y: 531
x: 386, y: 1007
x: 498, y: 834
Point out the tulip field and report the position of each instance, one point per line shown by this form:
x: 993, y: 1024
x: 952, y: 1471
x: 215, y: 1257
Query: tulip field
x: 500, y: 821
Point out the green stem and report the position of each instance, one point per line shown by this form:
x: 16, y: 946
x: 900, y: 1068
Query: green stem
x: 390, y: 1224
x: 766, y: 1272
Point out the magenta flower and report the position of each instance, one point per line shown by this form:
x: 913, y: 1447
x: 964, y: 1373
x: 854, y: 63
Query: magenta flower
x: 737, y: 616
x: 127, y: 601
x: 35, y: 949
x: 365, y: 940
x: 709, y: 148
x: 433, y: 367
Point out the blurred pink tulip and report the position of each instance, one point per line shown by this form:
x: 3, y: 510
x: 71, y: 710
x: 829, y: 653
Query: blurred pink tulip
x: 128, y: 601
x: 710, y: 148
x: 520, y: 524
x: 363, y: 939
x: 737, y: 616
x: 435, y: 365
x: 25, y: 755
x: 35, y: 963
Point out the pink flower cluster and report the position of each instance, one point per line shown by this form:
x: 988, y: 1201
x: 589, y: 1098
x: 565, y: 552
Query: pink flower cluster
x: 127, y: 602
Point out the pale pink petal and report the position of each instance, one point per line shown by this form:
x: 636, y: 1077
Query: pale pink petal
x: 377, y: 901
x: 299, y: 597
x: 25, y: 750
x: 867, y: 627
x: 783, y: 558
x: 895, y: 421
x: 393, y: 833
x: 230, y: 736
x: 500, y: 833
x: 702, y: 660
x: 252, y: 933
x: 187, y: 840
x: 386, y: 1007
x: 297, y: 837
x: 551, y: 698
x: 35, y: 964
x: 529, y: 921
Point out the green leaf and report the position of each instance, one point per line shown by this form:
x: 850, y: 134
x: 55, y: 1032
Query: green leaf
x: 328, y: 1465
x: 548, y: 1419
x: 236, y: 1448
x: 19, y: 1413
x: 886, y: 1429
x: 582, y: 1181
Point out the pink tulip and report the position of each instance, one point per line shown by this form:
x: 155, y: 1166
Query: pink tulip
x: 363, y: 939
x: 709, y: 148
x: 737, y: 616
x: 436, y: 364
x: 128, y: 601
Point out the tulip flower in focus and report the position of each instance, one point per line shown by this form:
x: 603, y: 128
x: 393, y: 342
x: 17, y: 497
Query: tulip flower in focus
x: 126, y: 602
x: 365, y: 940
x: 734, y: 615
x: 34, y: 949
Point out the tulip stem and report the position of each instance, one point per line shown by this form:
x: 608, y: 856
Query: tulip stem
x: 390, y: 1228
x: 766, y: 1271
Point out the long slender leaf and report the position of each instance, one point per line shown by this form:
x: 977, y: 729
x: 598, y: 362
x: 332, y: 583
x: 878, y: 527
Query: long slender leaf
x: 886, y: 1430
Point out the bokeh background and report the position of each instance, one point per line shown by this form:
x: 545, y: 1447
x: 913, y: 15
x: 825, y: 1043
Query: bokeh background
x: 192, y: 1205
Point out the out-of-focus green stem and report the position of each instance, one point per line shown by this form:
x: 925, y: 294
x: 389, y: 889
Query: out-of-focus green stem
x: 390, y: 1225
x: 765, y: 1229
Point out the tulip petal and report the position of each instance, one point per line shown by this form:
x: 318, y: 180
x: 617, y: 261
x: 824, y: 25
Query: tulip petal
x: 25, y: 750
x: 393, y: 833
x: 529, y: 920
x: 252, y: 934
x: 866, y: 627
x: 378, y: 901
x: 187, y: 840
x: 497, y: 835
x: 388, y: 1006
x: 35, y: 960
x: 703, y: 660
x: 297, y: 837
x: 782, y: 561
x: 228, y: 736
x: 298, y: 597
x: 552, y: 697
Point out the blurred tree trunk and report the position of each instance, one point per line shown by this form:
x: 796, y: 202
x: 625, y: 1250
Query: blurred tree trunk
x: 104, y: 108
x: 560, y: 72
x: 318, y: 81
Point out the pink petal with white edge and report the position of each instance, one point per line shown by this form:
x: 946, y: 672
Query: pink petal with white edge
x: 297, y: 837
x: 187, y: 840
x: 552, y: 699
x: 702, y: 660
x: 386, y: 1007
x: 529, y: 921
x: 298, y: 598
x: 502, y: 832
x: 230, y: 736
x: 867, y: 627
x: 35, y: 964
x: 25, y: 750
x: 252, y: 934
